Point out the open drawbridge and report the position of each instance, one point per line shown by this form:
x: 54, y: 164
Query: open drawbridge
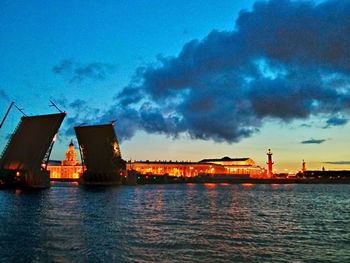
x: 100, y: 154
x: 25, y: 157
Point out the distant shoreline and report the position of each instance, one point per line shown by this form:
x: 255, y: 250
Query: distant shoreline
x: 272, y: 181
x: 209, y: 180
x: 234, y: 181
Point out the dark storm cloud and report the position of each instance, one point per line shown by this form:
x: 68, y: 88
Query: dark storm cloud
x: 78, y: 104
x: 126, y: 120
x: 284, y: 60
x: 80, y: 113
x: 304, y: 125
x: 65, y: 66
x: 313, y: 141
x: 75, y: 72
x: 338, y: 162
x: 336, y: 121
x: 129, y: 95
x: 62, y: 101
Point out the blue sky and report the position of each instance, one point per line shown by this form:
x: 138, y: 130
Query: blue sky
x: 186, y: 80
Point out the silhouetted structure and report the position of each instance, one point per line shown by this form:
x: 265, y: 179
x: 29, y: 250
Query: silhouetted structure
x: 7, y: 113
x: 323, y: 174
x: 25, y: 157
x: 303, y: 166
x: 100, y: 154
x: 269, y: 164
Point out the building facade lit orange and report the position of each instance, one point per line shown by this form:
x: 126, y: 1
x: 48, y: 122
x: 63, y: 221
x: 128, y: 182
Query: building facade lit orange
x: 237, y: 167
x: 69, y: 168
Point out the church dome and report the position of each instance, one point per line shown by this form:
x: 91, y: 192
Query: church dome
x: 71, y: 155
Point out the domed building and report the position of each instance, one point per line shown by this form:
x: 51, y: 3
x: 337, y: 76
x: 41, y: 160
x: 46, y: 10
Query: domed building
x: 70, y: 168
x: 71, y: 155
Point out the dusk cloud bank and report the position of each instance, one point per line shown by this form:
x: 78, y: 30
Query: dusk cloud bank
x: 336, y: 121
x: 313, y: 141
x: 284, y: 60
x: 76, y: 72
x: 338, y: 162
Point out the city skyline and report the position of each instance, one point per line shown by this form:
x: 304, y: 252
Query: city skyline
x: 186, y: 81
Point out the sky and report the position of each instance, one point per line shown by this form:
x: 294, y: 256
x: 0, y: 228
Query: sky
x: 186, y: 80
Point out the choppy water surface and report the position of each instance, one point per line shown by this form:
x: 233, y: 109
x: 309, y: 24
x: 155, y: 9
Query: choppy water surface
x: 177, y: 223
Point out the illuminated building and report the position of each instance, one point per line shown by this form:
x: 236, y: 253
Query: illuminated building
x: 69, y: 168
x: 229, y: 167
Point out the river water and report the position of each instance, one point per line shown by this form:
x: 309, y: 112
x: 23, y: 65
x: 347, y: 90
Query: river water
x: 176, y: 223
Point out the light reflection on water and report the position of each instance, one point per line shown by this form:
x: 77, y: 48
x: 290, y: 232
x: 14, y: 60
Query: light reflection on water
x: 177, y: 223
